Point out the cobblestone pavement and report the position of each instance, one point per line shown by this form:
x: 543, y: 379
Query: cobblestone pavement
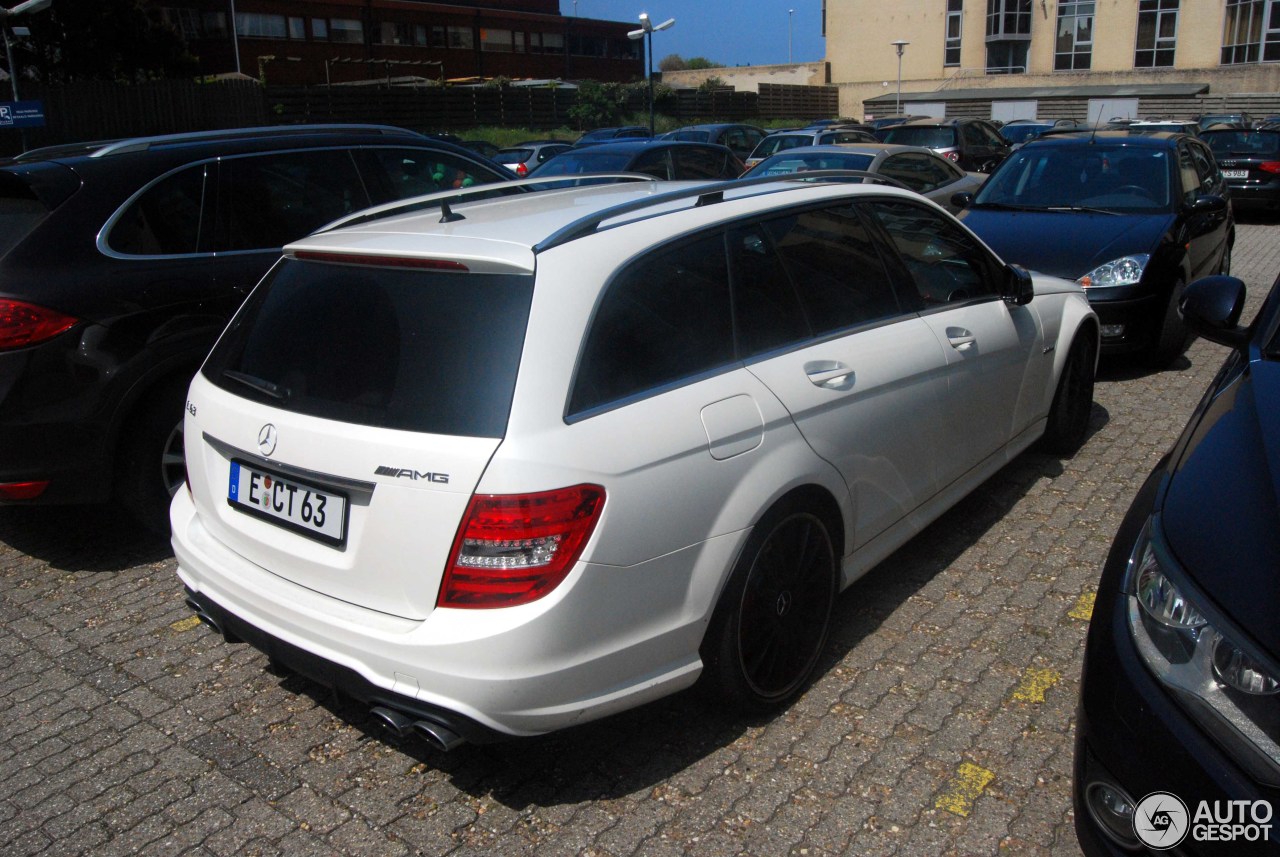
x: 941, y: 722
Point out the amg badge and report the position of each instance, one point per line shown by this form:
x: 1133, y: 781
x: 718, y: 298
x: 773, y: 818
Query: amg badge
x: 407, y: 473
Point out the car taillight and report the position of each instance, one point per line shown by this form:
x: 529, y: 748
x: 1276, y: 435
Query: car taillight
x: 515, y: 548
x: 1270, y: 167
x: 953, y: 156
x: 522, y: 170
x: 22, y: 490
x: 23, y: 324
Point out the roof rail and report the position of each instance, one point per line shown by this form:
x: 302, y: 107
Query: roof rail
x: 141, y: 144
x: 441, y: 198
x: 707, y: 194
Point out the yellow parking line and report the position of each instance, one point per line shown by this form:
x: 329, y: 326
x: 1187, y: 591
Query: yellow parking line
x: 964, y: 788
x: 1035, y: 682
x: 186, y: 624
x: 1084, y: 606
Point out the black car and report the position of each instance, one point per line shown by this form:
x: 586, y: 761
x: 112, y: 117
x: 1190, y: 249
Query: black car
x: 1178, y: 729
x: 1132, y: 218
x: 621, y: 132
x: 122, y: 262
x: 1250, y: 162
x: 974, y: 144
x: 740, y: 139
x: 662, y: 159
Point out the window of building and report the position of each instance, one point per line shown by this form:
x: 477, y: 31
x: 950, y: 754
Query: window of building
x: 1073, y: 50
x: 1252, y: 31
x: 255, y: 25
x: 320, y: 29
x: 1007, y: 57
x: 546, y: 43
x: 452, y: 37
x: 1007, y: 18
x: 402, y: 34
x: 1157, y: 33
x: 345, y: 30
x: 496, y: 41
x: 955, y: 16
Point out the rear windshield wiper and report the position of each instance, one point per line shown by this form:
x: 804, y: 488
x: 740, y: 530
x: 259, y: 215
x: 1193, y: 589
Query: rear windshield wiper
x: 275, y: 391
x: 1084, y: 208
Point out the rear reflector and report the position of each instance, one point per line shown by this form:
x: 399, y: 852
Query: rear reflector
x: 381, y: 261
x: 23, y: 324
x: 513, y: 549
x: 22, y: 490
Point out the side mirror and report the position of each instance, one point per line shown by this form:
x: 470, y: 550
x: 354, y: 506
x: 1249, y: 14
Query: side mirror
x: 961, y: 200
x: 1212, y: 204
x: 1211, y: 307
x: 1019, y: 290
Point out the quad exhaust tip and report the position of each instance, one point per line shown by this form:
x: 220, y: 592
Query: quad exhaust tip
x: 438, y: 735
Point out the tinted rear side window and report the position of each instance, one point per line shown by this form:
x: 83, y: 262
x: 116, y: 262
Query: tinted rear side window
x: 166, y: 219
x: 385, y: 347
x: 929, y: 138
x: 664, y: 320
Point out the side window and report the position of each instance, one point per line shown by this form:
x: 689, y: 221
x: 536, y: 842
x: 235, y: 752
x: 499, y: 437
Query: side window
x: 402, y: 173
x: 664, y: 319
x: 916, y: 170
x: 1206, y: 167
x: 656, y: 164
x: 836, y: 270
x: 766, y: 309
x: 695, y: 162
x: 945, y: 263
x: 972, y: 135
x: 1190, y: 173
x: 266, y: 201
x: 753, y: 138
x: 166, y: 219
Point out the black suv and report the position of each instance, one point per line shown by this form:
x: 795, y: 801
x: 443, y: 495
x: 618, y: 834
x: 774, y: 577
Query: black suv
x: 121, y: 262
x: 974, y: 144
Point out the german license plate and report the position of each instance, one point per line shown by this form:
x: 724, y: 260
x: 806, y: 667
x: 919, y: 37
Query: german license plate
x: 288, y: 503
x: 1235, y: 174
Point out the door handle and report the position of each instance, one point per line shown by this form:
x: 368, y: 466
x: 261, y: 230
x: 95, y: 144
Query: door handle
x: 960, y: 339
x: 830, y: 374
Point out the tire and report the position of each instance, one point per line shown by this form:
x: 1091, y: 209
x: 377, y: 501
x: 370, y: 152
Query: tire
x: 1171, y: 337
x: 770, y: 626
x: 1072, y: 407
x: 152, y: 463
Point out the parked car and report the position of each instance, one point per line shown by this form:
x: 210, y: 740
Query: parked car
x: 622, y: 132
x: 1250, y: 162
x: 783, y: 140
x: 1019, y: 131
x: 1173, y: 126
x: 741, y: 139
x: 1240, y: 120
x: 552, y: 456
x: 527, y: 157
x: 1132, y: 218
x: 920, y: 170
x: 121, y: 264
x: 1182, y: 664
x: 662, y: 159
x: 895, y: 119
x: 974, y: 144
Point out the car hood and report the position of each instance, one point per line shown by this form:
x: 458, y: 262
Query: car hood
x: 1065, y: 244
x: 1220, y: 513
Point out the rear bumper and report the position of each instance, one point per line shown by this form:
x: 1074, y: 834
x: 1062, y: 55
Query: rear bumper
x: 593, y: 647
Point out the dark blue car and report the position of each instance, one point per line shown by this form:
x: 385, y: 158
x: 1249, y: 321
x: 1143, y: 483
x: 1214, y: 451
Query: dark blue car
x: 1178, y: 730
x: 1133, y: 219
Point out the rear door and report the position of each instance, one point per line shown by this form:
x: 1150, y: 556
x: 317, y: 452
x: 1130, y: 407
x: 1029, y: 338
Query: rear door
x: 861, y: 374
x: 345, y: 419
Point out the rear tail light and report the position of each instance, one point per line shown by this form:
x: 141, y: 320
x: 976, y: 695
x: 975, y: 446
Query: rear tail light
x: 23, y: 324
x: 953, y: 156
x: 522, y: 170
x: 515, y: 548
x: 1270, y: 167
x: 22, y: 490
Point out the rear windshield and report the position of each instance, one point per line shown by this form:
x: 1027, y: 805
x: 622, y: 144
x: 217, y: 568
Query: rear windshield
x: 601, y: 160
x: 1266, y: 143
x: 386, y: 347
x: 513, y: 156
x: 929, y: 137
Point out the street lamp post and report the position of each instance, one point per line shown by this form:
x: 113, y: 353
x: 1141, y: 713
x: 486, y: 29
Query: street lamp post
x: 899, y: 44
x: 21, y: 9
x: 790, y: 12
x: 647, y: 29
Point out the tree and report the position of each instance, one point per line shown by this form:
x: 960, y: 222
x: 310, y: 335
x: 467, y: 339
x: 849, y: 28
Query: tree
x: 695, y: 63
x: 671, y: 62
x: 596, y: 105
x: 123, y: 40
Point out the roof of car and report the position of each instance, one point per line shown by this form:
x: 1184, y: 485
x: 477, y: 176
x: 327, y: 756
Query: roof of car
x: 852, y: 149
x: 1153, y: 140
x: 505, y: 234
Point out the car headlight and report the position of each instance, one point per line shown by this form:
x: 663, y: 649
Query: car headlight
x: 1125, y: 271
x: 1210, y: 668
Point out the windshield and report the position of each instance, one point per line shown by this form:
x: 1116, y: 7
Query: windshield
x: 1089, y: 175
x: 1022, y: 133
x: 1264, y: 143
x: 797, y: 162
x: 574, y: 163
x: 930, y: 137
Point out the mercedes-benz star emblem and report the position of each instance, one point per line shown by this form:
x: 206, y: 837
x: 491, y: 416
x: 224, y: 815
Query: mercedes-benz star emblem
x: 267, y: 439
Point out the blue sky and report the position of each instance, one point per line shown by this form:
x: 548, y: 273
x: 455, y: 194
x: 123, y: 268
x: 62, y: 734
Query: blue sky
x: 744, y: 32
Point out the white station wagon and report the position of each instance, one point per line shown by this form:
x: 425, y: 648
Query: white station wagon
x: 499, y: 466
